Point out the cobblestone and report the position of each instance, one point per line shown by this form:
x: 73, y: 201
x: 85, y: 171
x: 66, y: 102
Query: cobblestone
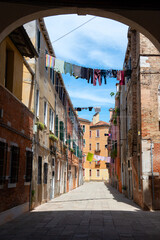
x: 93, y: 211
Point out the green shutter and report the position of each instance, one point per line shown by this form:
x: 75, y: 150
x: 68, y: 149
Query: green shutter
x: 56, y: 125
x: 61, y: 131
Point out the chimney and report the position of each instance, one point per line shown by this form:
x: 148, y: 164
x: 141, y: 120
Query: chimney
x: 111, y: 112
x: 95, y: 118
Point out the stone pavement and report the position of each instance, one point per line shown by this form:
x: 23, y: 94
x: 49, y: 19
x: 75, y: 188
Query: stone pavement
x: 93, y: 211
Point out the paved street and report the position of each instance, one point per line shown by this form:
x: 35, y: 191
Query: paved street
x: 90, y: 212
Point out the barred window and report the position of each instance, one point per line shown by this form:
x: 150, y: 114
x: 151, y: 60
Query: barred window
x: 29, y: 159
x: 14, y: 166
x: 45, y: 173
x: 3, y: 161
x: 39, y: 170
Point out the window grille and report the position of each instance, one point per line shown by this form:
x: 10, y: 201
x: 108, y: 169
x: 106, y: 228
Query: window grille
x: 39, y: 170
x: 3, y: 161
x: 29, y: 159
x: 45, y: 172
x: 14, y: 166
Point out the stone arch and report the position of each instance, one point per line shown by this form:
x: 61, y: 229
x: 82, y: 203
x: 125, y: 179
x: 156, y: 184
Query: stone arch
x: 137, y: 19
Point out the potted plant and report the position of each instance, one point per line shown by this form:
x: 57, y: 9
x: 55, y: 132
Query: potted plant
x: 40, y: 125
x: 72, y: 150
x: 53, y: 137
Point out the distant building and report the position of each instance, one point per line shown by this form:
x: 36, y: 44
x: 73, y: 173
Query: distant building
x: 114, y: 145
x: 95, y: 141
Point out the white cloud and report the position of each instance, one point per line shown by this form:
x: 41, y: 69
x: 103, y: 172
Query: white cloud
x: 92, y: 96
x: 99, y: 40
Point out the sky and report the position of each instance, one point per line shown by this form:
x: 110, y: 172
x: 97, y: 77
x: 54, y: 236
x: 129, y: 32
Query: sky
x: 100, y: 43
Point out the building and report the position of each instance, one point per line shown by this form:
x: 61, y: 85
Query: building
x: 55, y: 169
x: 140, y: 122
x: 95, y: 141
x: 16, y: 126
x: 114, y: 145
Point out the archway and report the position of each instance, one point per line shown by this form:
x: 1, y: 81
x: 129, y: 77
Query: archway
x: 138, y: 17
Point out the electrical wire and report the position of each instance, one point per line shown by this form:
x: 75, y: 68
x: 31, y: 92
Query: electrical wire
x: 73, y: 29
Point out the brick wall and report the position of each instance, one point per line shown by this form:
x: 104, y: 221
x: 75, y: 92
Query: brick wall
x: 15, y: 127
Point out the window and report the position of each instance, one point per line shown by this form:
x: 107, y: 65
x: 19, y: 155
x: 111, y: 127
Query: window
x: 75, y: 172
x: 84, y: 128
x: 46, y: 52
x: 61, y: 126
x: 52, y: 75
x: 90, y: 133
x: 51, y: 120
x: 84, y: 142
x: 45, y: 173
x: 56, y: 132
x: 14, y: 166
x: 90, y: 172
x: 97, y: 133
x: 29, y: 159
x: 98, y: 172
x: 37, y: 103
x: 3, y: 161
x: 58, y: 171
x: 9, y: 69
x: 90, y: 146
x: 97, y: 147
x: 139, y: 172
x: 57, y: 82
x: 45, y: 113
x: 53, y: 162
x: 39, y: 170
x: 38, y: 40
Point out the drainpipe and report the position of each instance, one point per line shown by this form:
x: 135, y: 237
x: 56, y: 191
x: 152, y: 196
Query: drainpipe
x: 152, y: 173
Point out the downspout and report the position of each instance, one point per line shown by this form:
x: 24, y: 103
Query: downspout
x: 152, y: 173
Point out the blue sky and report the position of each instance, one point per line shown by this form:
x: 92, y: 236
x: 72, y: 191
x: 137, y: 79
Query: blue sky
x: 101, y: 43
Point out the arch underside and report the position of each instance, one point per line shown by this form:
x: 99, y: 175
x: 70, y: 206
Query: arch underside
x: 145, y: 21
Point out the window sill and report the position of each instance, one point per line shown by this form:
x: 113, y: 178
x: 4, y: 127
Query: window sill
x: 11, y: 185
x: 27, y: 183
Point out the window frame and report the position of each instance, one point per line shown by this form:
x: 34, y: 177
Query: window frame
x: 28, y: 172
x: 97, y: 133
x: 14, y: 168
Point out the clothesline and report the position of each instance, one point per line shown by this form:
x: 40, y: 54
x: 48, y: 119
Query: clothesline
x: 90, y: 74
x: 97, y: 109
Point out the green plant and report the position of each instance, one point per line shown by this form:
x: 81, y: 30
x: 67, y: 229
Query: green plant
x: 124, y: 187
x: 112, y: 94
x: 117, y: 110
x: 72, y: 150
x: 65, y: 146
x: 53, y: 137
x: 40, y: 125
x: 114, y: 153
x: 115, y: 121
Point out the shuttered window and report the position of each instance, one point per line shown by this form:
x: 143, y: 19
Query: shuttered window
x: 29, y: 159
x: 45, y: 173
x: 39, y: 170
x: 14, y: 166
x: 61, y: 125
x: 56, y: 132
x: 3, y: 161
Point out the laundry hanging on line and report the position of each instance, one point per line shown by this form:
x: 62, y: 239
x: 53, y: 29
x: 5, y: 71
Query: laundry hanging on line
x: 91, y: 75
x: 79, y: 109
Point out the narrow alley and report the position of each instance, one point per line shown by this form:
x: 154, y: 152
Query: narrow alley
x: 91, y: 212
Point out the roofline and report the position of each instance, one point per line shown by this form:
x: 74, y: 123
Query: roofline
x: 102, y: 125
x: 84, y: 120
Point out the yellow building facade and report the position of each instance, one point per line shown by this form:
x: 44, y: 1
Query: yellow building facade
x: 95, y: 141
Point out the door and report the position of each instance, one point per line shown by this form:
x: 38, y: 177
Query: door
x: 52, y: 190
